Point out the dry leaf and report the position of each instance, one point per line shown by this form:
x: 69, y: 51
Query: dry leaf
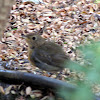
x: 28, y: 90
x: 2, y: 90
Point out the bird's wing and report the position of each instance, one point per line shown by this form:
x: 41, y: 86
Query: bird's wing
x: 43, y: 65
x: 43, y: 56
x: 50, y: 56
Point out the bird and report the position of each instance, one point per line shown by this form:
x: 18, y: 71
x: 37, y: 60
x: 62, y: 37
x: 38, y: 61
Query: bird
x: 46, y: 55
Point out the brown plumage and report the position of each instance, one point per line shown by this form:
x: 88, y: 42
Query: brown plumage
x: 45, y: 55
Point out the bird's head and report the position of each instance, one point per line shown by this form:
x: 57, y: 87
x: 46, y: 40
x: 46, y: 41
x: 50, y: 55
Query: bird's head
x: 34, y: 40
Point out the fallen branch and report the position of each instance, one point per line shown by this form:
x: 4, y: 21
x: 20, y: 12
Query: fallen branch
x: 33, y: 80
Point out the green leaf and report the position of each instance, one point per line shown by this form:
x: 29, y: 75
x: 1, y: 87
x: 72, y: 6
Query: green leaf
x: 14, y: 28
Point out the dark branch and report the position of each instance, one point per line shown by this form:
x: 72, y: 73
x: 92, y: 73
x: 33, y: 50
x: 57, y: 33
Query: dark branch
x: 33, y: 80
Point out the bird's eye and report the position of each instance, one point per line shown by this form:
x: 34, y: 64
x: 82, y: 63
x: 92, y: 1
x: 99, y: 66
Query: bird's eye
x: 34, y: 38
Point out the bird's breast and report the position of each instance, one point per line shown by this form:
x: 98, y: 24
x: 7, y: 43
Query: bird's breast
x: 30, y: 58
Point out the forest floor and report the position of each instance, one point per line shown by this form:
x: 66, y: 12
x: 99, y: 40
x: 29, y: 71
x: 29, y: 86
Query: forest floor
x: 67, y: 22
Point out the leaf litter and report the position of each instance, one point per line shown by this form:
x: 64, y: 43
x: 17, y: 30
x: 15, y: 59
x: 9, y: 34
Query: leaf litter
x: 68, y: 23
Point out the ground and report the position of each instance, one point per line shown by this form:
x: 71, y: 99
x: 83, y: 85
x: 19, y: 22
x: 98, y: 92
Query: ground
x: 69, y: 23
